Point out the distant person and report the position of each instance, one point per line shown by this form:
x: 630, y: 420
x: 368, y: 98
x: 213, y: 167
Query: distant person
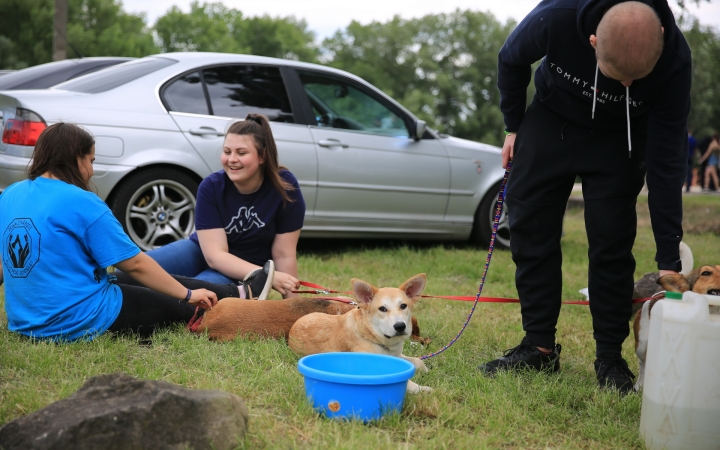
x: 611, y: 104
x: 248, y: 218
x: 58, y: 239
x: 692, y: 148
x: 712, y: 156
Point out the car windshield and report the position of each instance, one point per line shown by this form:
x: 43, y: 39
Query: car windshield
x: 50, y: 74
x: 115, y: 76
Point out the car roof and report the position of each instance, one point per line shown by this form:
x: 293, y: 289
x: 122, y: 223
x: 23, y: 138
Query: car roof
x: 46, y: 75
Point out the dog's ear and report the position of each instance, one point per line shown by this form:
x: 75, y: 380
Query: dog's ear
x: 674, y: 282
x: 363, y: 291
x: 414, y: 286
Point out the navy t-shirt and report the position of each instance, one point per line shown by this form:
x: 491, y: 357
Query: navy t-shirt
x: 251, y: 221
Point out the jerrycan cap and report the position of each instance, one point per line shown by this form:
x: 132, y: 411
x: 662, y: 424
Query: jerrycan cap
x: 673, y: 295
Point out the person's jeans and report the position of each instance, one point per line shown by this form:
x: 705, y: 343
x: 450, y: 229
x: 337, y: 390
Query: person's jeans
x: 184, y: 258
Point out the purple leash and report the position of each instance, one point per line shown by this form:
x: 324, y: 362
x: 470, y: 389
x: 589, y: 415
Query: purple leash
x: 498, y: 210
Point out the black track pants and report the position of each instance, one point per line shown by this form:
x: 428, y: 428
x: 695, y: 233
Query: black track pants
x: 144, y: 310
x: 549, y: 153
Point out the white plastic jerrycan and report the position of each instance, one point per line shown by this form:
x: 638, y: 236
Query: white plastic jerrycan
x: 681, y: 396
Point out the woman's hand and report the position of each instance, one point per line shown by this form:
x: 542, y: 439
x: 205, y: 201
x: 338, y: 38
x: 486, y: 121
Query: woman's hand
x: 508, y: 150
x: 203, y: 298
x: 285, y: 283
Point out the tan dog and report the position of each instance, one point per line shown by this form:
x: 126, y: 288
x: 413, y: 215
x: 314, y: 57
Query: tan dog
x: 233, y: 317
x: 381, y: 324
x: 704, y: 280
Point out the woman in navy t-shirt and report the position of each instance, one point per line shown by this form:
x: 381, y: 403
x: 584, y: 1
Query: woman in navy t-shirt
x: 247, y: 215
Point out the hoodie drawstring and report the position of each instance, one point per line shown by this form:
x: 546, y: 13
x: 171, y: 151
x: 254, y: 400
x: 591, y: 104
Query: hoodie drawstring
x: 627, y: 112
x: 627, y: 107
x: 597, y: 67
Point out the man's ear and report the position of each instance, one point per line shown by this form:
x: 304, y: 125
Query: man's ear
x: 593, y: 41
x: 363, y: 291
x: 414, y: 286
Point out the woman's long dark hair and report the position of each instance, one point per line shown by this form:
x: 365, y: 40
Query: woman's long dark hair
x: 258, y: 126
x: 57, y: 151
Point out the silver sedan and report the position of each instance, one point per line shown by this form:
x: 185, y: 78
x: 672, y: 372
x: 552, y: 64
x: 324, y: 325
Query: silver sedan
x: 367, y: 167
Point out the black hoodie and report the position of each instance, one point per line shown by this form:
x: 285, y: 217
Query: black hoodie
x: 559, y: 31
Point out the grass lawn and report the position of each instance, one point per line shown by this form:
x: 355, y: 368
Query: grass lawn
x: 465, y: 410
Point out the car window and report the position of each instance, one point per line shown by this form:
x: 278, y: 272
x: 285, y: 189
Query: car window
x: 186, y: 94
x: 50, y: 74
x: 237, y: 90
x: 342, y: 104
x: 115, y: 76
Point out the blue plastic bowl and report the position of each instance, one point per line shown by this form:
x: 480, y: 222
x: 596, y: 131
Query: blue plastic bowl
x: 362, y: 386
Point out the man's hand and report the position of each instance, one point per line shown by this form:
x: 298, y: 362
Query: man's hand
x: 666, y: 272
x: 508, y: 149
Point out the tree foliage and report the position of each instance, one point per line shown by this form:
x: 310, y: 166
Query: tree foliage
x: 95, y: 28
x: 704, y: 43
x: 212, y: 27
x: 443, y: 67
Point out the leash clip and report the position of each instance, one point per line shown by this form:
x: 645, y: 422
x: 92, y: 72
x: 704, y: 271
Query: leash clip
x: 322, y: 291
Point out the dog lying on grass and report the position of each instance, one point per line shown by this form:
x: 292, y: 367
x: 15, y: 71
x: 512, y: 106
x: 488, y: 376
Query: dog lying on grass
x: 233, y: 317
x: 381, y: 324
x: 703, y: 280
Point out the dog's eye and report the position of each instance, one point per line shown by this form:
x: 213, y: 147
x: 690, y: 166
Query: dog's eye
x: 403, y: 306
x: 383, y: 309
x: 706, y: 273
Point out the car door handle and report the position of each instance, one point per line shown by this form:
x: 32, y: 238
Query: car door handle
x: 205, y: 131
x: 331, y: 143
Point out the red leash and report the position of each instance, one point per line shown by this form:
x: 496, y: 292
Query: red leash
x: 317, y: 289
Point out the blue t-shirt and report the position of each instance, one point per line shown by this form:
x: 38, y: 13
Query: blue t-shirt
x: 251, y: 221
x: 57, y: 241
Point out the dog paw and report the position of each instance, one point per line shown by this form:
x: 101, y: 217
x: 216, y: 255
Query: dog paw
x: 414, y: 388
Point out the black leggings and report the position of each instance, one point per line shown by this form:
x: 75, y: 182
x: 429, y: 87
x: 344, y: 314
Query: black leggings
x: 145, y: 310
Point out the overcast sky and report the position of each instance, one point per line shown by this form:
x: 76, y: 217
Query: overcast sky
x: 324, y: 17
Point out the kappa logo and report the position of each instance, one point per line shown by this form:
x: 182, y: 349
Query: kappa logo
x: 245, y: 219
x: 22, y: 249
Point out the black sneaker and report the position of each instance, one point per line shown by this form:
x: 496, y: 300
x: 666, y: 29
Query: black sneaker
x: 524, y: 356
x: 613, y: 373
x: 257, y: 283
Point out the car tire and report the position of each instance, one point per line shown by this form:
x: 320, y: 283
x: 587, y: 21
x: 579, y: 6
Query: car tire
x: 484, y: 219
x: 156, y: 206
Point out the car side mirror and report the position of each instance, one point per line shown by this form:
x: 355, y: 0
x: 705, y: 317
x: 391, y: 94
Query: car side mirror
x: 419, y: 129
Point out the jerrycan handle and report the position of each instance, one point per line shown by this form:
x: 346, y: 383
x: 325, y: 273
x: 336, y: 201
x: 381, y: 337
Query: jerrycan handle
x: 711, y: 299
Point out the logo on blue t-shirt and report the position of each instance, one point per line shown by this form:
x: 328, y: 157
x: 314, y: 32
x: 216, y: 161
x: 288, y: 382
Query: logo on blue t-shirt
x: 23, y: 247
x: 244, y: 220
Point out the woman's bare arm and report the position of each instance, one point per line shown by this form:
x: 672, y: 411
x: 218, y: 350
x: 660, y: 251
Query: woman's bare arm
x: 284, y: 253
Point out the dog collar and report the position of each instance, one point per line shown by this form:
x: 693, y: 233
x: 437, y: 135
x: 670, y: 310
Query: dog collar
x: 378, y: 344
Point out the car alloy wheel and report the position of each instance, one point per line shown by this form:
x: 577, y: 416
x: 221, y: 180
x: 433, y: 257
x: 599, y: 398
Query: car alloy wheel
x: 156, y: 207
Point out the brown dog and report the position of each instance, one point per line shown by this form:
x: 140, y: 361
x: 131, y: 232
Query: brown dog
x: 704, y: 280
x: 381, y: 324
x: 233, y: 317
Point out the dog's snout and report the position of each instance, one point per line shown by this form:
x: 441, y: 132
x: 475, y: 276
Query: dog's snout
x: 399, y: 326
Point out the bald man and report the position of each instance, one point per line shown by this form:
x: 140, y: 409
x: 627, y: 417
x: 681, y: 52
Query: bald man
x: 611, y: 106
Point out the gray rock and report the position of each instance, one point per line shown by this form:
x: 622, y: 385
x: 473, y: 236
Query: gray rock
x: 645, y: 287
x: 118, y: 411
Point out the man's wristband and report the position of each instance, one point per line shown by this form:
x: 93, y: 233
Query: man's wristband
x: 187, y: 297
x: 675, y: 266
x: 510, y: 133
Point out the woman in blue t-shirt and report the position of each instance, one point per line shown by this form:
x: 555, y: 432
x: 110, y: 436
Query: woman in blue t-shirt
x: 58, y: 238
x: 248, y: 218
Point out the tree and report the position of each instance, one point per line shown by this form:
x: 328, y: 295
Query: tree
x: 95, y: 28
x: 443, y: 67
x: 704, y: 43
x: 212, y: 27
